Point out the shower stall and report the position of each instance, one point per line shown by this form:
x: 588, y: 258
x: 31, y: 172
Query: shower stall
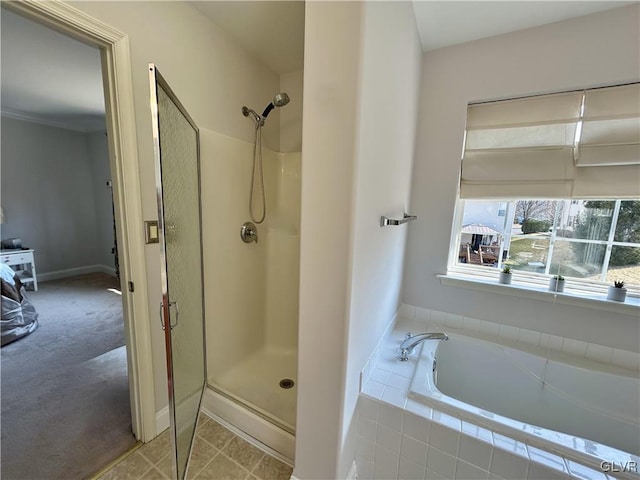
x: 251, y: 295
x: 242, y: 290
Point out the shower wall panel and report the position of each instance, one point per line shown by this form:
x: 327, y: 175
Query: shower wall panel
x: 251, y: 290
x: 283, y: 252
x: 234, y: 271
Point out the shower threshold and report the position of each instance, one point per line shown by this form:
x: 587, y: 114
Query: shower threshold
x: 258, y: 428
x: 278, y: 422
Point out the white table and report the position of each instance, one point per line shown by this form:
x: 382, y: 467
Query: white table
x: 23, y: 262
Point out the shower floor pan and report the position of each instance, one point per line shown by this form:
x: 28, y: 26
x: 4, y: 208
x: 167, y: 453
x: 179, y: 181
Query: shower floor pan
x: 255, y: 382
x: 249, y: 398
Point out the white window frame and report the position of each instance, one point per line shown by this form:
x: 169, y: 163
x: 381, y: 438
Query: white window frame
x: 529, y: 284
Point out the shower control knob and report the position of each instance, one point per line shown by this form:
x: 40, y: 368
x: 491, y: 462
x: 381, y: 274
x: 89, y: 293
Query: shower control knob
x: 249, y: 233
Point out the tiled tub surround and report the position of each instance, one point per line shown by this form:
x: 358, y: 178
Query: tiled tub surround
x: 401, y: 437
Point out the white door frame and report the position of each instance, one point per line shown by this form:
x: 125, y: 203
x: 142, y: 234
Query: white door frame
x: 123, y: 159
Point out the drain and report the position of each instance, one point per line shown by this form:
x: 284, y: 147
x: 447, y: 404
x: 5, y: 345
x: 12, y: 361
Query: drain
x: 287, y: 383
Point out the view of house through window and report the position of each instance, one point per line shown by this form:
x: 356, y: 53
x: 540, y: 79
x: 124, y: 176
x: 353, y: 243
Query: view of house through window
x: 594, y: 240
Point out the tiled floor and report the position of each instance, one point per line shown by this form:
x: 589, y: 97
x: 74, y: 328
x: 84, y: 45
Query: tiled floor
x: 217, y: 454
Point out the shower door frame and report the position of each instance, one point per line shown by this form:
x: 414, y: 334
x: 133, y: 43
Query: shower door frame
x: 157, y: 80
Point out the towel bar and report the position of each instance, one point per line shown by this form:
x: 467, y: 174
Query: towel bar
x: 385, y: 221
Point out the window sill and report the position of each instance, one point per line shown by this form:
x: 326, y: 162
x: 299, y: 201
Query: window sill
x: 599, y: 302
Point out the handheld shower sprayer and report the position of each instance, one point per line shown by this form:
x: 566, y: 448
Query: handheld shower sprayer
x: 280, y: 100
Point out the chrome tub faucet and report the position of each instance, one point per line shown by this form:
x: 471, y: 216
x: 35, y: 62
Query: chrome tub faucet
x: 411, y: 341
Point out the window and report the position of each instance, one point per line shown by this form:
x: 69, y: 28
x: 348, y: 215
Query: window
x: 550, y: 185
x: 591, y: 240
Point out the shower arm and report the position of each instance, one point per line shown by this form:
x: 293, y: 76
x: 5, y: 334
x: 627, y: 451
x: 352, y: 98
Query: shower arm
x: 249, y: 111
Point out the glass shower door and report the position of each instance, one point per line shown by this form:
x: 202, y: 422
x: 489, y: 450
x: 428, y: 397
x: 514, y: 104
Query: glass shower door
x: 176, y: 148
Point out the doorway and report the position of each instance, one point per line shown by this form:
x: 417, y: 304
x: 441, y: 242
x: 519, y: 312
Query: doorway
x: 122, y: 148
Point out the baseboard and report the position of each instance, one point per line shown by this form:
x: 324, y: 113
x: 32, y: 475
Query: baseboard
x: 162, y: 420
x: 72, y: 272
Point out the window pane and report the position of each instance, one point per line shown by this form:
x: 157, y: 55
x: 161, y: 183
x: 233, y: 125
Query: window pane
x: 568, y: 218
x: 528, y: 252
x: 481, y: 233
x: 624, y: 265
x: 587, y: 220
x: 535, y: 215
x: 581, y: 260
x: 628, y: 226
x: 485, y: 214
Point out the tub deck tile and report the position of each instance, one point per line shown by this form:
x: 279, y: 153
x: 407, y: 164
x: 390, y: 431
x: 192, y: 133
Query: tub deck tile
x: 547, y: 458
x: 510, y: 445
x: 584, y: 473
x: 482, y: 448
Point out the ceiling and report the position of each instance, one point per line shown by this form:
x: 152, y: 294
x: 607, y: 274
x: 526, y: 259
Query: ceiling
x: 446, y: 23
x: 440, y: 23
x: 48, y: 77
x: 53, y: 79
x: 273, y: 31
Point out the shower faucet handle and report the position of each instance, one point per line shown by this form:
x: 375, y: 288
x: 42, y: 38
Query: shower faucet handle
x: 249, y: 233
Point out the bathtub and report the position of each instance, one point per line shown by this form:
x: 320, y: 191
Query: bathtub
x: 572, y: 406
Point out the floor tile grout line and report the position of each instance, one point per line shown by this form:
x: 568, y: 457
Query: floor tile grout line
x: 152, y: 462
x: 162, y: 475
x: 241, y: 466
x: 210, y: 460
x: 149, y: 469
x: 225, y: 443
x: 243, y: 440
x: 209, y: 443
x: 250, y: 471
x: 258, y: 463
x: 220, y: 452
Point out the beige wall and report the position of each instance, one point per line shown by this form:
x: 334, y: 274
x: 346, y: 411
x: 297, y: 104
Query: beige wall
x: 595, y: 50
x: 358, y: 137
x: 331, y: 74
x: 291, y: 115
x: 386, y: 140
x: 212, y: 76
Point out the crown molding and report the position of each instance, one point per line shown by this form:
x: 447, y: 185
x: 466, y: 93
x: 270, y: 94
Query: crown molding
x: 34, y: 118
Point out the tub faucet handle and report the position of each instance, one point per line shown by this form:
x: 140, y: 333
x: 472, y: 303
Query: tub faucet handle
x: 404, y: 355
x: 411, y: 342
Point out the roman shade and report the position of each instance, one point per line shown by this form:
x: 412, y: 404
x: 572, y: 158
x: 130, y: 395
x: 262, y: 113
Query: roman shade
x: 583, y: 144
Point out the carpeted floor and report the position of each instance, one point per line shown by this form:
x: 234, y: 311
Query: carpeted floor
x: 64, y: 389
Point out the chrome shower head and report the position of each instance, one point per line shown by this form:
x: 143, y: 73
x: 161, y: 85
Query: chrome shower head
x: 280, y: 100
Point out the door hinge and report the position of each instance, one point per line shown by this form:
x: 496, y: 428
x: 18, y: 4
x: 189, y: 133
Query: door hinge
x: 131, y: 288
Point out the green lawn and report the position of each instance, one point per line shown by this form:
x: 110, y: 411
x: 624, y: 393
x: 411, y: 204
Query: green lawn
x: 526, y: 250
x: 570, y: 259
